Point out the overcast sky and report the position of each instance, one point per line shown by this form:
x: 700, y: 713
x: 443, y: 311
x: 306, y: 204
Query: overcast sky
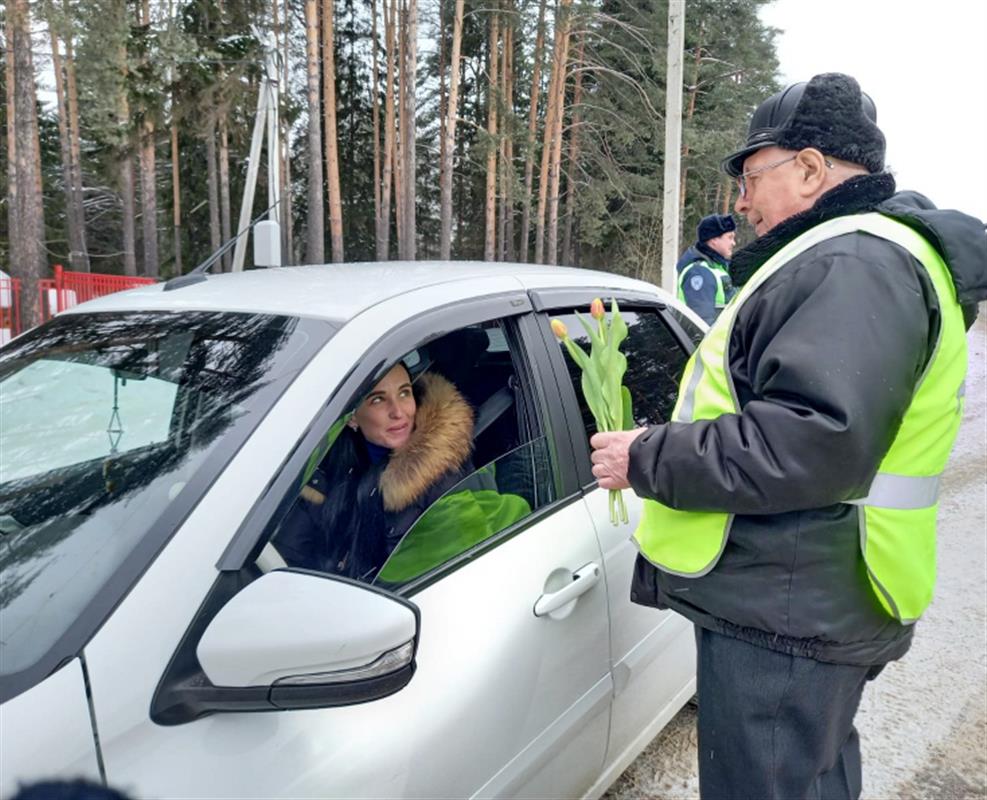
x: 924, y: 62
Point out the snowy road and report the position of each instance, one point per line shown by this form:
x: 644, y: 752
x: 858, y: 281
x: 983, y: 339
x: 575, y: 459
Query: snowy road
x: 923, y: 722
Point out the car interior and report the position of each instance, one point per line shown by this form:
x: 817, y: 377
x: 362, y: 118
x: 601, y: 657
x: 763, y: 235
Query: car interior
x: 478, y: 361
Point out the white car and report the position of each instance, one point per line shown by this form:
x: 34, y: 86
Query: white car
x: 151, y: 635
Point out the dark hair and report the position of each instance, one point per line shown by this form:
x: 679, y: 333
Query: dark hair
x: 361, y: 542
x: 343, y: 465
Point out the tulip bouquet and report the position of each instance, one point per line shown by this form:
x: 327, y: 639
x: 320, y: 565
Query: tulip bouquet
x: 602, y: 381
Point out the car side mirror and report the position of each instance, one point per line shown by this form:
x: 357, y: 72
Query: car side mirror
x: 293, y: 640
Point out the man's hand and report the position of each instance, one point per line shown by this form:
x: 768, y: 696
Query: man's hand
x: 610, y: 457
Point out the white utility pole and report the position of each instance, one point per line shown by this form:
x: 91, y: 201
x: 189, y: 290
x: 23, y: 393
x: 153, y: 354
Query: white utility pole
x: 266, y: 118
x: 673, y: 146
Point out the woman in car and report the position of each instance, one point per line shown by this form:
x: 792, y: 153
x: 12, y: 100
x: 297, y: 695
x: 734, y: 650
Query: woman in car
x: 402, y: 449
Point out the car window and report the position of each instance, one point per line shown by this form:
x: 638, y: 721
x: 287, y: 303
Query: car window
x: 109, y: 426
x: 109, y: 414
x: 692, y: 330
x: 655, y: 361
x: 393, y: 515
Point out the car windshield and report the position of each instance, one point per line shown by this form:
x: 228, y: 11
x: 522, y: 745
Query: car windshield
x: 111, y: 427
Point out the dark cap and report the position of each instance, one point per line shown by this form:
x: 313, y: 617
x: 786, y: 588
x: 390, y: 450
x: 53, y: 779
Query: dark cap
x: 714, y: 225
x: 829, y: 113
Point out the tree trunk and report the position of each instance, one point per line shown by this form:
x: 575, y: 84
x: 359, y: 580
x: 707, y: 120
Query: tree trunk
x: 212, y: 185
x: 287, y: 226
x: 27, y: 254
x: 332, y: 152
x: 399, y: 156
x: 73, y: 200
x: 570, y: 181
x: 315, y: 231
x: 505, y: 206
x: 384, y: 231
x: 459, y: 178
x: 490, y: 204
x: 125, y: 174
x: 13, y: 230
x: 225, y: 213
x: 553, y: 126
x: 63, y: 139
x: 127, y: 191
x: 449, y: 136
x: 149, y: 200
x: 375, y: 111
x: 408, y: 74
x: 555, y: 163
x: 176, y: 194
x: 507, y: 160
x: 690, y: 112
x: 529, y: 153
x: 75, y: 151
x: 149, y: 188
x: 443, y: 100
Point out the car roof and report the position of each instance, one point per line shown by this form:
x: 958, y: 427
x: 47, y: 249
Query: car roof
x: 339, y: 292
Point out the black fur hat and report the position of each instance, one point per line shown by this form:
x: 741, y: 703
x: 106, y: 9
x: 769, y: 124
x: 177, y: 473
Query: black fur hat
x: 830, y: 113
x: 714, y: 225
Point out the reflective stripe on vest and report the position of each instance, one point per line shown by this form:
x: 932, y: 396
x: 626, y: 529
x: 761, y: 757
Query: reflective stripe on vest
x: 721, y: 297
x: 897, y: 516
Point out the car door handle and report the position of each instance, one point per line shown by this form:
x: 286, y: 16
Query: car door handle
x: 584, y: 579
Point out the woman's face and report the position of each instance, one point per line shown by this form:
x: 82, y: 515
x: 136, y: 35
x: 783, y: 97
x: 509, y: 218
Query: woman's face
x: 386, y: 416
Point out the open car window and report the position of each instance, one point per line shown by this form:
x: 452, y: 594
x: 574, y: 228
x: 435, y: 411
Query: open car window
x: 336, y: 521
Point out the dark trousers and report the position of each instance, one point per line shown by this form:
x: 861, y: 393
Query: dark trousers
x: 774, y: 726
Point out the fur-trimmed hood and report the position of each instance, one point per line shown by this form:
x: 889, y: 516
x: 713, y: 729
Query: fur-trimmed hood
x: 441, y: 441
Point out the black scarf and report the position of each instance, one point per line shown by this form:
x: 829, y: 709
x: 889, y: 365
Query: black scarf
x: 712, y: 255
x: 857, y: 195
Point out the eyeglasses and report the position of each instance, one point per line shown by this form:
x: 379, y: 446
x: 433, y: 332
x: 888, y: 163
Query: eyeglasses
x: 742, y: 178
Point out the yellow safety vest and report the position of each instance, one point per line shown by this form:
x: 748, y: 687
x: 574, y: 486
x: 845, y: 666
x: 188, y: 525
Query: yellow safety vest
x: 718, y: 273
x: 897, y: 518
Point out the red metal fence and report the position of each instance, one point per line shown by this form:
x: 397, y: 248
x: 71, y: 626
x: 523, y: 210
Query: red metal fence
x: 68, y: 289
x: 65, y: 290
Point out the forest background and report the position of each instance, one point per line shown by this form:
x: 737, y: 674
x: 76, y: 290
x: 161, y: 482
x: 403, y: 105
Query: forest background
x: 508, y: 130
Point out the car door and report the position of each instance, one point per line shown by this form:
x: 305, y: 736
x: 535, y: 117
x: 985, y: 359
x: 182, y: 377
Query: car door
x: 652, y: 651
x: 512, y: 690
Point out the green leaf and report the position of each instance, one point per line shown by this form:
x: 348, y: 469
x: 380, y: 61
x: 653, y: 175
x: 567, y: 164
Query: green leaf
x: 594, y: 337
x: 618, y: 328
x: 577, y: 353
x: 628, y: 415
x: 596, y: 403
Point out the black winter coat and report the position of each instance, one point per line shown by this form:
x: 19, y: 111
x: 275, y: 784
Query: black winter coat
x: 825, y: 358
x: 360, y: 510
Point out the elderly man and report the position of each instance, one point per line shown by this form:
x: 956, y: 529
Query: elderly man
x: 703, y: 269
x: 790, y: 503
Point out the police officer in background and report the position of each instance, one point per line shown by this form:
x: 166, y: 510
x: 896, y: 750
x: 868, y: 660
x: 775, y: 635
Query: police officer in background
x: 790, y: 504
x: 704, y: 279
